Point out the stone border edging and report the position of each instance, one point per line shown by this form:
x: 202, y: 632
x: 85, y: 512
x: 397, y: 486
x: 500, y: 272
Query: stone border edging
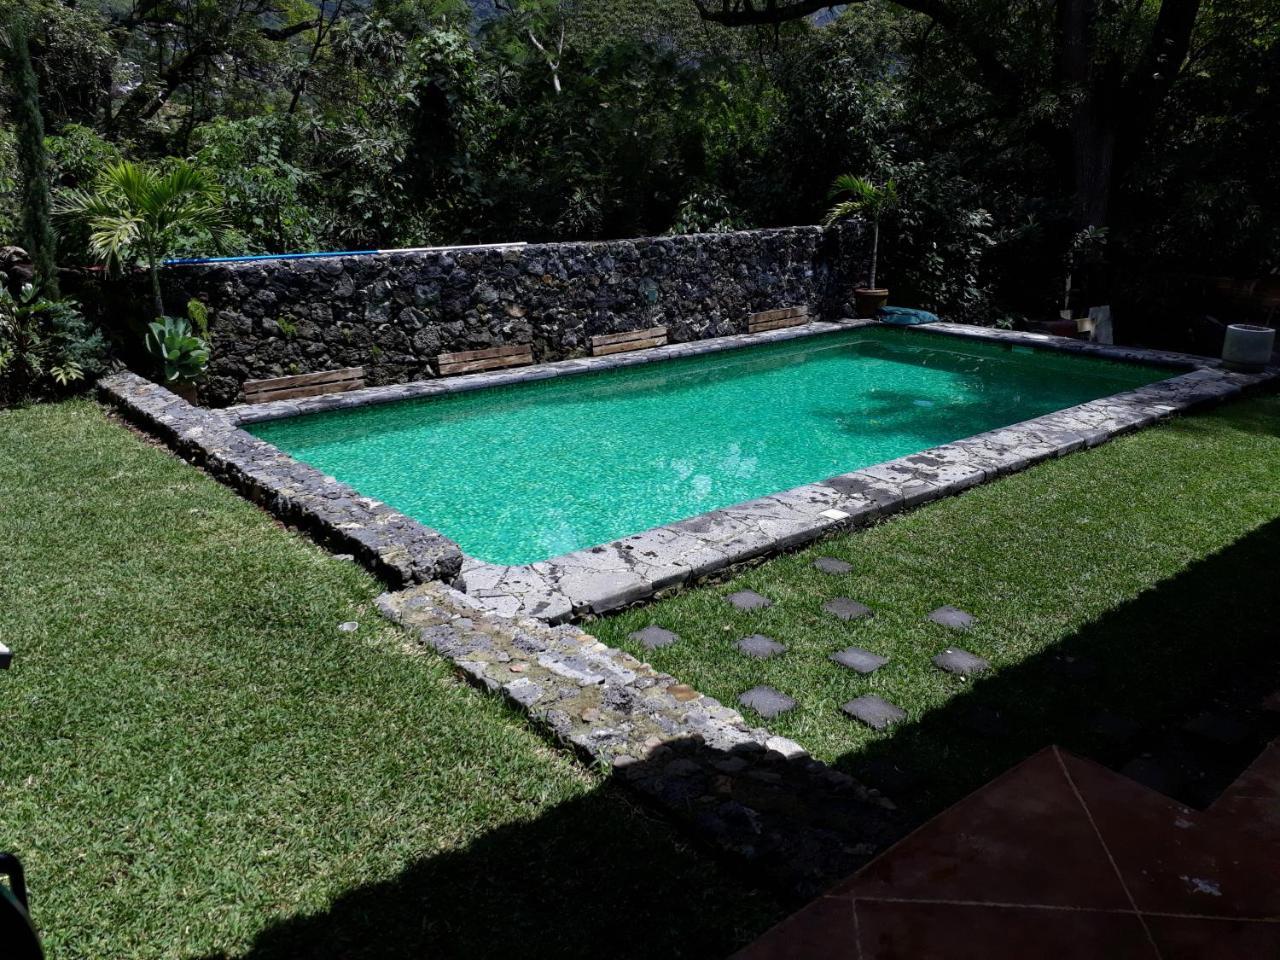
x: 608, y: 576
x: 612, y: 575
x: 398, y: 548
x: 281, y: 409
x: 742, y: 788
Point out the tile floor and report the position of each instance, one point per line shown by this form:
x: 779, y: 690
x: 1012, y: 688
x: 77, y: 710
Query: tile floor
x: 1062, y: 858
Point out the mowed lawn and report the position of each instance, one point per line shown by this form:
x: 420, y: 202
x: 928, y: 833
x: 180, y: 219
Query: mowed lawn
x: 1116, y: 590
x: 197, y: 762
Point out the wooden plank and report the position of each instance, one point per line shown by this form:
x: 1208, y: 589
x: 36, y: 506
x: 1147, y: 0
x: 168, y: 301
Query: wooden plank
x: 608, y: 339
x: 781, y: 313
x: 304, y: 379
x: 494, y: 358
x: 303, y: 385
x: 487, y: 353
x: 761, y: 326
x: 314, y: 390
x: 629, y: 345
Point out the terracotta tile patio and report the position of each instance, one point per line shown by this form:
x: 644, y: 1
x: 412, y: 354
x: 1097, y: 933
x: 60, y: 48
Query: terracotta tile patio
x: 1062, y: 858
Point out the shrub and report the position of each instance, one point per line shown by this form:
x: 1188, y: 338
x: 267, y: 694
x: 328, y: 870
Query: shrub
x: 179, y: 353
x: 46, y: 346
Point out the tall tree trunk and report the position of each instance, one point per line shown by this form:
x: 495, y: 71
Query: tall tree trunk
x: 157, y: 301
x: 875, y: 251
x: 37, y: 227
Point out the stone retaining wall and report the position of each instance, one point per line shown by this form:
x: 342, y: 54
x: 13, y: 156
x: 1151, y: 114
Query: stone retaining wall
x: 394, y: 313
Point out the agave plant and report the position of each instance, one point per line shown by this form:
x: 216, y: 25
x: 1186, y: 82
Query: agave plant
x: 135, y: 211
x: 182, y: 355
x: 864, y: 197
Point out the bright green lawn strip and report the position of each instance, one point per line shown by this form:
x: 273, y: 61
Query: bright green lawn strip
x: 1054, y: 560
x: 194, y: 752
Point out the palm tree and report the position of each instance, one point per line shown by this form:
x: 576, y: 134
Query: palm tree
x: 136, y: 212
x: 863, y: 196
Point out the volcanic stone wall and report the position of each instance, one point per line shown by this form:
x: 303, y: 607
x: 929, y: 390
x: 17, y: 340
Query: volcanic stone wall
x: 395, y: 313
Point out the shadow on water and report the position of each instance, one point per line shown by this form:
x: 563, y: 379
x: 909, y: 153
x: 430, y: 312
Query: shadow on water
x: 595, y: 878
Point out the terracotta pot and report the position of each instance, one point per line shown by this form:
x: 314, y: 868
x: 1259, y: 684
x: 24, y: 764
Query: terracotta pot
x: 185, y: 389
x: 869, y: 301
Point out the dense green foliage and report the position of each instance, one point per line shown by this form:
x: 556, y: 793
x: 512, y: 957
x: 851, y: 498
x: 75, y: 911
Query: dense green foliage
x: 140, y: 213
x: 46, y: 346
x: 37, y: 227
x: 199, y: 763
x: 374, y: 123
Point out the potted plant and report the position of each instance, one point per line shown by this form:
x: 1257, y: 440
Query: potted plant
x: 180, y: 355
x: 861, y: 196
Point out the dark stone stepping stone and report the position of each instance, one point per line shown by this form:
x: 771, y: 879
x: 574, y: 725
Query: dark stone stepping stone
x: 855, y: 658
x: 960, y: 662
x: 759, y: 646
x: 1113, y: 726
x: 653, y: 636
x: 876, y: 713
x: 1220, y: 727
x: 888, y: 776
x: 847, y: 609
x: 984, y: 721
x: 1077, y: 668
x: 766, y: 701
x: 748, y: 600
x: 953, y: 617
x: 832, y: 565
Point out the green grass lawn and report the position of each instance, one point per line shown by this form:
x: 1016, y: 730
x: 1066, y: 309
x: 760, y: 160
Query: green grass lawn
x: 197, y: 762
x: 1136, y: 578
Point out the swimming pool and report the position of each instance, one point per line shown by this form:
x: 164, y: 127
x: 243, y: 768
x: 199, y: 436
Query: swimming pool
x: 516, y: 474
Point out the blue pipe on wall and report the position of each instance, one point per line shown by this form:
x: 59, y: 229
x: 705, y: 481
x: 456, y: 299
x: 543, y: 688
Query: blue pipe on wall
x: 332, y: 253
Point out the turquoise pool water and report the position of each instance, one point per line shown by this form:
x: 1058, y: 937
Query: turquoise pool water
x: 522, y: 473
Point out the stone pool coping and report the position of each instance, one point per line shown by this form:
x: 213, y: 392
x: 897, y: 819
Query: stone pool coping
x: 602, y: 578
x: 397, y: 548
x: 739, y: 788
x: 597, y: 579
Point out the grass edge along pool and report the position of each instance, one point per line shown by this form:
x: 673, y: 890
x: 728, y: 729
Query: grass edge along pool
x: 523, y: 472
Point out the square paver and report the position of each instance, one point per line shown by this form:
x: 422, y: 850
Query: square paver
x: 832, y: 565
x: 960, y: 662
x: 653, y: 636
x: 760, y: 647
x: 1225, y: 728
x: 863, y: 661
x: 847, y: 609
x: 766, y: 701
x: 1114, y: 726
x: 748, y: 600
x: 953, y: 617
x: 875, y: 712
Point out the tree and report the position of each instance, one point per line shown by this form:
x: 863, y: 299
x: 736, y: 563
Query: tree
x: 137, y: 211
x: 1092, y: 108
x: 33, y: 165
x: 863, y: 196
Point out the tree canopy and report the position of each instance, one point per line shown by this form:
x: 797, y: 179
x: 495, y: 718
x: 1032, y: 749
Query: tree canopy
x: 1009, y: 129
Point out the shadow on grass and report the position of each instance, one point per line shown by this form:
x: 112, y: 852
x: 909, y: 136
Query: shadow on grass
x: 1120, y: 689
x: 596, y: 877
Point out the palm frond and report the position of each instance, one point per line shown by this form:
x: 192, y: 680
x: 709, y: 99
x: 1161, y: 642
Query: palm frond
x: 110, y: 238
